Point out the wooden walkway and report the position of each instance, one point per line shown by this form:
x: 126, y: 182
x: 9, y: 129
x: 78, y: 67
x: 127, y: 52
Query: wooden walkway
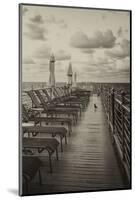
x: 88, y: 162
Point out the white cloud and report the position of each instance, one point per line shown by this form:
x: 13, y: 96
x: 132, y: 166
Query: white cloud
x: 99, y: 40
x: 62, y: 55
x: 36, y: 32
x: 121, y: 51
x: 123, y: 65
x: 37, y: 19
x: 28, y: 60
x: 43, y: 53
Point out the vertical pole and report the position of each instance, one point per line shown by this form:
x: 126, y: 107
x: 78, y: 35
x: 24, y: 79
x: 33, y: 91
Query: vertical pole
x: 50, y: 162
x: 109, y: 104
x: 52, y: 92
x: 61, y: 143
x: 57, y: 154
x: 122, y: 118
x: 32, y: 90
x: 112, y: 110
x: 40, y: 177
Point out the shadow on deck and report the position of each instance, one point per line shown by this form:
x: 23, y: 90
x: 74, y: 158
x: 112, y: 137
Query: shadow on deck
x: 88, y: 162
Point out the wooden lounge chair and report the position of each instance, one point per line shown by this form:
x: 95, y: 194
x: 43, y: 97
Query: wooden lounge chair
x: 40, y: 145
x: 62, y: 98
x: 81, y: 93
x: 60, y: 107
x: 33, y: 114
x: 61, y: 131
x: 30, y: 167
x: 58, y: 103
x: 75, y: 105
x: 73, y: 98
x: 35, y: 130
x: 50, y: 110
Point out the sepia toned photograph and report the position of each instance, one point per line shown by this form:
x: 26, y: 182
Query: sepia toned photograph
x: 75, y: 99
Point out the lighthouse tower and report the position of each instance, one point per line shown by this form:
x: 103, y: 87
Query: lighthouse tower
x: 69, y: 74
x: 52, y: 71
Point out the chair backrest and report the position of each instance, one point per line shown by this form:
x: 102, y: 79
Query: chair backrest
x: 61, y: 92
x: 64, y: 91
x: 33, y: 98
x: 41, y: 98
x: 47, y: 95
x: 57, y: 93
x: 57, y: 96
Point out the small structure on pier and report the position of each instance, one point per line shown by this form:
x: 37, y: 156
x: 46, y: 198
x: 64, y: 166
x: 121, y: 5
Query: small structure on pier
x: 69, y: 74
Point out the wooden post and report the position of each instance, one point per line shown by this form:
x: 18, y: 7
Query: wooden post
x: 112, y: 110
x: 123, y: 134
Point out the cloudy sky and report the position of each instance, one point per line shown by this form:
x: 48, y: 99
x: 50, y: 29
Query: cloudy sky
x: 96, y: 42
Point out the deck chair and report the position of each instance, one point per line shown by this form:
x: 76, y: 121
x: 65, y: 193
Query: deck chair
x: 61, y: 99
x: 62, y: 103
x: 35, y: 130
x: 40, y: 145
x: 34, y: 115
x: 53, y: 131
x: 70, y: 96
x: 60, y: 107
x: 30, y: 168
x: 51, y: 109
x: 34, y: 99
x: 83, y: 94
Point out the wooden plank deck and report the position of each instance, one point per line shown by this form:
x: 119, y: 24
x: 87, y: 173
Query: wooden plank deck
x: 88, y: 162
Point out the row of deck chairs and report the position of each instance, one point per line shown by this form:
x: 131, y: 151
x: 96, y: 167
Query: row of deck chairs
x: 54, y: 117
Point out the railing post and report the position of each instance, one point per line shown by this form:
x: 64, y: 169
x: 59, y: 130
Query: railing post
x: 109, y: 103
x: 123, y: 133
x: 112, y: 109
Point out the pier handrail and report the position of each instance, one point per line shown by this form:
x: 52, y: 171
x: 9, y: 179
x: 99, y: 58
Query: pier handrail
x: 117, y: 109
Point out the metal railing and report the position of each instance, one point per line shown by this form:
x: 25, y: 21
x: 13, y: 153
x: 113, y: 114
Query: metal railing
x: 117, y: 109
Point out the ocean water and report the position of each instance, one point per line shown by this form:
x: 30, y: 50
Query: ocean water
x: 33, y: 85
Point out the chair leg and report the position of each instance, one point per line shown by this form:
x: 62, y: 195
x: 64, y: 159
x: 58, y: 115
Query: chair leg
x: 65, y: 139
x: 61, y: 144
x: 74, y: 120
x: 57, y: 154
x: 50, y: 162
x: 80, y: 112
x: 40, y: 177
x: 69, y: 129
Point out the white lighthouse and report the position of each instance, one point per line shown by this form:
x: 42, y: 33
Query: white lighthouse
x: 69, y: 74
x: 52, y: 71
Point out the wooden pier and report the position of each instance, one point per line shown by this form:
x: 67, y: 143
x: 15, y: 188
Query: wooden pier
x: 89, y: 161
